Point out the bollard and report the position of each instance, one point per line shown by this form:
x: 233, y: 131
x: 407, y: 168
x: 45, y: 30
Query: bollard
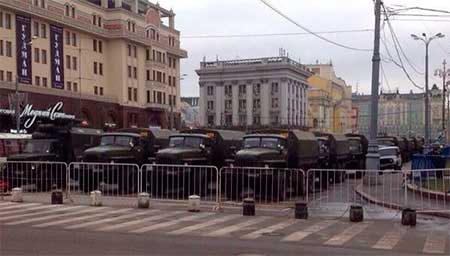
x: 96, y: 198
x: 409, y: 217
x: 248, y: 207
x: 17, y: 195
x: 194, y: 203
x: 143, y: 200
x: 57, y: 196
x: 356, y: 213
x: 301, y: 210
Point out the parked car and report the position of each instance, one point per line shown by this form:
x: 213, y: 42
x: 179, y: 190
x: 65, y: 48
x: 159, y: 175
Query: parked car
x: 390, y: 158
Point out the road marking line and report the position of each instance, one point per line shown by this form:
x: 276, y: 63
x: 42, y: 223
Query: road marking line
x: 390, y: 239
x: 56, y: 208
x: 6, y: 203
x: 18, y: 206
x: 7, y: 210
x: 96, y: 222
x: 228, y: 230
x: 203, y: 225
x: 81, y: 218
x: 300, y: 235
x: 136, y: 222
x: 347, y: 234
x: 270, y: 229
x: 171, y: 223
x: 435, y: 243
x: 90, y: 209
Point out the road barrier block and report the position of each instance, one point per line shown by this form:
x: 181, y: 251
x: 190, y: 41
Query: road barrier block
x: 248, y: 207
x: 356, y: 213
x: 301, y: 210
x: 57, y: 197
x: 16, y: 195
x: 194, y: 203
x: 96, y: 198
x: 143, y: 200
x: 409, y: 217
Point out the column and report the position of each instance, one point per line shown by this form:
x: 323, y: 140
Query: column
x: 202, y: 118
x: 235, y: 102
x: 283, y: 101
x: 219, y: 103
x: 266, y: 101
x: 249, y: 103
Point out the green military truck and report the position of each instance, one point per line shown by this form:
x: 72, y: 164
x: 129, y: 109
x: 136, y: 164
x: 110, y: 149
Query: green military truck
x: 124, y: 146
x: 335, y: 154
x: 274, y: 149
x: 358, y: 147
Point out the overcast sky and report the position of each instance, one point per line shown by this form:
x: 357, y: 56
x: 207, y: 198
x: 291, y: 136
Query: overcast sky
x: 230, y: 17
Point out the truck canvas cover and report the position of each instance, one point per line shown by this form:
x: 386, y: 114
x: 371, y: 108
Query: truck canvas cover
x: 339, y: 146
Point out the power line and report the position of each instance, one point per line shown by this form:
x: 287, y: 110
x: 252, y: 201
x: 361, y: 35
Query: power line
x: 311, y: 32
x: 385, y: 77
x: 275, y: 34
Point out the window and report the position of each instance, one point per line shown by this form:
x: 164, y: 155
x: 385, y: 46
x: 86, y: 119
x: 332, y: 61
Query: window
x: 274, y: 102
x: 43, y: 31
x: 9, y: 76
x: 135, y: 51
x: 129, y: 50
x: 148, y: 75
x: 68, y: 62
x: 95, y: 90
x: 8, y: 47
x: 274, y: 87
x: 242, y: 104
x: 94, y: 45
x: 42, y: 3
x: 242, y: 89
x: 256, y: 104
x: 129, y: 71
x: 75, y: 87
x: 44, y: 82
x: 8, y: 21
x: 133, y: 27
x: 164, y: 78
x: 95, y: 67
x: 1, y: 48
x: 74, y: 63
x: 148, y: 96
x: 228, y: 104
x: 73, y: 12
x: 101, y: 91
x: 135, y: 72
x: 35, y: 29
x: 135, y: 94
x: 130, y: 91
x: 69, y: 86
x: 256, y: 89
x: 147, y: 54
x: 37, y: 81
x: 36, y: 2
x: 210, y: 90
x: 67, y: 11
x: 100, y: 46
x: 100, y: 69
x: 67, y: 38
x: 164, y: 98
x: 44, y: 56
x: 74, y: 39
x: 94, y: 19
x: 1, y: 19
x: 210, y: 105
x: 99, y: 21
x: 170, y: 80
x: 2, y: 75
x: 36, y: 55
x: 228, y: 90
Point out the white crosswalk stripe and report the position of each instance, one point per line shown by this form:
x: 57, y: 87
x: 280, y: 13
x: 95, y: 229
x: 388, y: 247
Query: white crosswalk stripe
x: 347, y: 234
x: 106, y: 220
x: 435, y: 243
x: 17, y: 206
x: 55, y: 208
x: 6, y: 203
x: 171, y: 223
x: 137, y: 222
x: 81, y: 218
x: 390, y: 239
x: 203, y: 225
x: 52, y: 216
x: 27, y: 209
x: 300, y: 235
x: 256, y: 234
x: 230, y: 229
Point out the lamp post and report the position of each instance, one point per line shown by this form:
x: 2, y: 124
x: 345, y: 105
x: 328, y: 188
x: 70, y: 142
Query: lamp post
x: 173, y: 100
x: 443, y: 73
x: 17, y: 110
x: 427, y: 40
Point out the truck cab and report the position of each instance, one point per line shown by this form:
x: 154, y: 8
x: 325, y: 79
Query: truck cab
x: 261, y: 150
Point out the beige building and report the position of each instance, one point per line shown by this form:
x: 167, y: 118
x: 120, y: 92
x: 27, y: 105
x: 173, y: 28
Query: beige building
x: 106, y: 60
x: 330, y: 100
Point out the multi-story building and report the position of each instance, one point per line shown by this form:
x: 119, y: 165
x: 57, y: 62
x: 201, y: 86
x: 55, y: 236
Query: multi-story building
x: 190, y: 112
x: 115, y: 61
x: 253, y: 92
x: 329, y: 100
x: 401, y: 114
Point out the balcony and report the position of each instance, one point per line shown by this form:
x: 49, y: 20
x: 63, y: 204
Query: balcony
x: 158, y: 106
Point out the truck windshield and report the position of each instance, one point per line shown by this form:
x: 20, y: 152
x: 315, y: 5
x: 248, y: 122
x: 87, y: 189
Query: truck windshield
x: 388, y: 152
x: 118, y: 140
x: 355, y: 146
x: 39, y: 146
x: 264, y: 142
x: 189, y: 142
x: 386, y: 142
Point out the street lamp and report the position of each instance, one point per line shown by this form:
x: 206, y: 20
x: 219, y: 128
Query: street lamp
x: 427, y: 41
x: 443, y: 73
x: 173, y: 100
x: 17, y: 112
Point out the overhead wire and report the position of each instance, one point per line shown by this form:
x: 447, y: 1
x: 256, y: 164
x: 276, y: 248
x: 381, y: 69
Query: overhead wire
x: 265, y: 2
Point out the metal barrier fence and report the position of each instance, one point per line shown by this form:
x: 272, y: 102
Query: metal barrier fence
x: 32, y: 176
x: 112, y: 179
x: 178, y: 182
x: 428, y: 189
x: 265, y: 185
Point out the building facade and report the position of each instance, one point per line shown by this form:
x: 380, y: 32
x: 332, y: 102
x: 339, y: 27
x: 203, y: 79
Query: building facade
x: 253, y: 93
x: 401, y: 114
x: 107, y: 61
x: 329, y: 98
x: 190, y: 112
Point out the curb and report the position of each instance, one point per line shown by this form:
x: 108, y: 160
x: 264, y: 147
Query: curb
x: 393, y: 206
x: 430, y: 193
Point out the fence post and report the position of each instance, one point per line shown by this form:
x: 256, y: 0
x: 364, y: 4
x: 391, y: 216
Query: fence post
x: 405, y: 184
x: 67, y: 180
x: 219, y: 188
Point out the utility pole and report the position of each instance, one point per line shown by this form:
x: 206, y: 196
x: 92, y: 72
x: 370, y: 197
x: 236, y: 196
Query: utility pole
x: 373, y: 158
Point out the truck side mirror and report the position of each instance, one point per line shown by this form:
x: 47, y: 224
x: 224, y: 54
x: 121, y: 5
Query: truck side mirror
x: 202, y: 146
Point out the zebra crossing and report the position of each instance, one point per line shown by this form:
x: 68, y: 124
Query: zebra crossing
x: 380, y: 235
